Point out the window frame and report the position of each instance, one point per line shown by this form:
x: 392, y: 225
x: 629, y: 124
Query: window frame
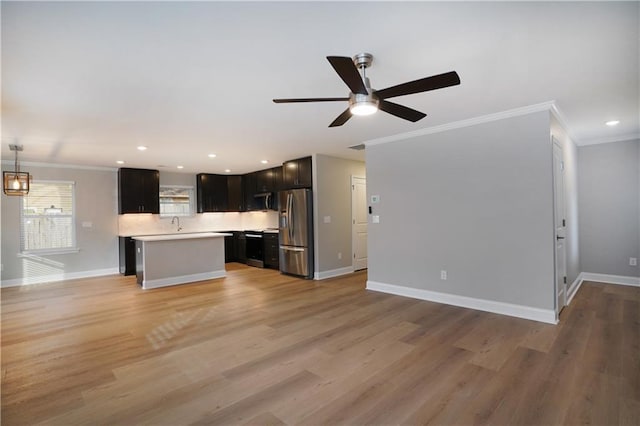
x: 57, y: 250
x: 192, y: 201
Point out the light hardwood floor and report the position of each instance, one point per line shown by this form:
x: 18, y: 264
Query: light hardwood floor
x: 262, y: 348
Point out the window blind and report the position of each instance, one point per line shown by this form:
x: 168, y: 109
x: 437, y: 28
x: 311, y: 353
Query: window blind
x: 48, y: 221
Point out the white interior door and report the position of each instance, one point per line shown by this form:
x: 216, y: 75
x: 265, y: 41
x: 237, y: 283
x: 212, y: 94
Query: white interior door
x: 560, y: 227
x: 359, y: 222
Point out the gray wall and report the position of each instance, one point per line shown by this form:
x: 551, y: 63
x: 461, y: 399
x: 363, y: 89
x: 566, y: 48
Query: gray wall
x: 174, y: 178
x: 570, y: 159
x: 475, y: 201
x: 96, y: 202
x: 332, y: 197
x: 609, y: 198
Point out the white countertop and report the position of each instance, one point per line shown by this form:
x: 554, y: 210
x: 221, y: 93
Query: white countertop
x: 186, y: 236
x: 227, y: 232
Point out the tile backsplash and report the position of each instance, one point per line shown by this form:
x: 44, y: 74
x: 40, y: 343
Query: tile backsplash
x: 151, y: 224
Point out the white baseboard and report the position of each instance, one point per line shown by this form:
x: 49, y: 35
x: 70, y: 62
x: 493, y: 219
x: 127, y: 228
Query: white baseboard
x: 573, y: 289
x: 58, y: 277
x: 610, y: 279
x: 182, y: 279
x: 520, y: 311
x: 322, y: 275
x: 601, y: 278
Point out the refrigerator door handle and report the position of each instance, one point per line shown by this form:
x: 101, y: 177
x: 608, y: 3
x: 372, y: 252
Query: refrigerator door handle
x: 291, y: 248
x: 289, y: 214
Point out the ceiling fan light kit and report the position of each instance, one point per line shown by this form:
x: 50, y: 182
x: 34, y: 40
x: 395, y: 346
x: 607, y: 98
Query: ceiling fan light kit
x: 360, y: 104
x: 363, y: 100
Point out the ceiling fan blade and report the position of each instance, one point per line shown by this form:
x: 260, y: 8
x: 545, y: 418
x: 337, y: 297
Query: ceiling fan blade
x: 423, y: 85
x: 342, y: 118
x: 401, y: 111
x: 284, y: 101
x: 348, y: 72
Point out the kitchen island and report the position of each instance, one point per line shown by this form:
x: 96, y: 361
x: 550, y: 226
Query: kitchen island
x: 164, y: 260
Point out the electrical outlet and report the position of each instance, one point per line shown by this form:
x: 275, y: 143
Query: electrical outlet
x: 443, y: 275
x: 633, y: 261
x: 339, y: 255
x: 375, y: 219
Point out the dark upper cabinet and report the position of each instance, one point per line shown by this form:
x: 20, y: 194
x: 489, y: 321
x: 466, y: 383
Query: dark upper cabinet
x: 269, y: 180
x: 277, y: 179
x: 138, y: 191
x: 235, y: 193
x: 261, y: 189
x: 296, y: 173
x: 264, y: 181
x: 212, y: 193
x: 220, y: 193
x: 250, y: 189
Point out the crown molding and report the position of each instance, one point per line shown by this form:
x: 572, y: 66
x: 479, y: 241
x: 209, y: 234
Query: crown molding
x: 562, y: 120
x: 60, y: 166
x: 609, y: 139
x: 544, y: 106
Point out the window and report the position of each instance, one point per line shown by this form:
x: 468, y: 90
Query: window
x: 48, y: 218
x: 176, y: 200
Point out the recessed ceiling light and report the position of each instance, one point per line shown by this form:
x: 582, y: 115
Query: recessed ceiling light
x: 264, y: 161
x: 120, y: 162
x: 212, y: 156
x: 142, y: 148
x: 612, y: 123
x: 227, y: 170
x: 181, y: 167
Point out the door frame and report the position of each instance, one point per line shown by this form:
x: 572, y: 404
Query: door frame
x: 353, y: 218
x: 558, y: 286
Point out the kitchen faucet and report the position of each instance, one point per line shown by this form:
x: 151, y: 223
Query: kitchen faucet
x: 173, y: 220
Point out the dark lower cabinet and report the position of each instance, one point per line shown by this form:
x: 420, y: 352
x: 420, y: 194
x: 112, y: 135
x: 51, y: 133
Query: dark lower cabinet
x: 240, y: 246
x: 229, y: 249
x: 271, y: 250
x: 235, y: 247
x: 127, y: 255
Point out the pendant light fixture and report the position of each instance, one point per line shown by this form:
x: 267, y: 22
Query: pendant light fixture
x: 16, y: 182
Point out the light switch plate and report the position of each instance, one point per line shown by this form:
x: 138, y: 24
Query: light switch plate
x: 87, y: 224
x: 327, y: 219
x: 375, y: 199
x: 375, y: 219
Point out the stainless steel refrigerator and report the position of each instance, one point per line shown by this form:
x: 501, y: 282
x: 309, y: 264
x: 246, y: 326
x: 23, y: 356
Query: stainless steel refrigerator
x: 296, y: 232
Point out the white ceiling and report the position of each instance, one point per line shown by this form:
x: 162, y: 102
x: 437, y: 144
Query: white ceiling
x: 85, y: 83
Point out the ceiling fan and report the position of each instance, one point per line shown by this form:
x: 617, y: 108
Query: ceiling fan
x: 363, y: 100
